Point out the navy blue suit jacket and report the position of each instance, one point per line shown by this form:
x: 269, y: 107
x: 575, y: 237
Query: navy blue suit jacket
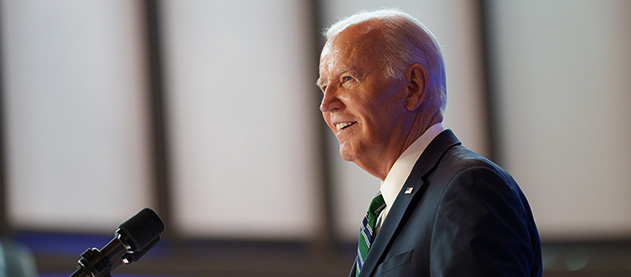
x: 465, y: 216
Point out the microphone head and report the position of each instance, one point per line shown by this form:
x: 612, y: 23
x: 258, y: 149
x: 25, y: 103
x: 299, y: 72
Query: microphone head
x: 142, y: 229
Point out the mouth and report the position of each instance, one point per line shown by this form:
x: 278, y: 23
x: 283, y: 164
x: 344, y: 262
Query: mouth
x: 344, y: 125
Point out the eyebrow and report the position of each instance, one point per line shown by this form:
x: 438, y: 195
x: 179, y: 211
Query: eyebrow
x: 337, y: 74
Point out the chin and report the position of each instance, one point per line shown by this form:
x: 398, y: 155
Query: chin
x: 347, y: 154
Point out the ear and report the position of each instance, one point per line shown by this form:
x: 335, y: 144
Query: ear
x: 416, y: 86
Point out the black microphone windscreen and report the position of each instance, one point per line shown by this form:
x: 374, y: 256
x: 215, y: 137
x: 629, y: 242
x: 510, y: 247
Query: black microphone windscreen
x: 143, y: 228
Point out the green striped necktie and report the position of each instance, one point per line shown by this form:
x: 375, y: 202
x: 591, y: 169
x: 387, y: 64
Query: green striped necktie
x: 366, y: 233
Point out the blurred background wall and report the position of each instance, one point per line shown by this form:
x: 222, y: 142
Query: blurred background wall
x: 207, y: 112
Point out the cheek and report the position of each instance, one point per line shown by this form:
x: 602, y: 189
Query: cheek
x: 381, y: 119
x: 371, y: 111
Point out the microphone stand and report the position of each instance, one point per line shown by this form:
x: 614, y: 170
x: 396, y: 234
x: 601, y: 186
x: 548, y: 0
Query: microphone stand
x: 132, y: 240
x: 95, y: 263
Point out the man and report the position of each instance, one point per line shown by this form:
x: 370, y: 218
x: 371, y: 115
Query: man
x: 448, y: 211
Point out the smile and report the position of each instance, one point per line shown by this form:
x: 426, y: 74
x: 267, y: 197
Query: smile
x: 341, y: 126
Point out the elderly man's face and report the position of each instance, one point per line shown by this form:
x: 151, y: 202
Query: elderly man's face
x: 364, y: 109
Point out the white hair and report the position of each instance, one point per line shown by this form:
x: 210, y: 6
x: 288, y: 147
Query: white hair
x: 406, y: 41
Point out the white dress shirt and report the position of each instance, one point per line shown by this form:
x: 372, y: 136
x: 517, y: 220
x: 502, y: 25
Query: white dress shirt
x: 402, y: 168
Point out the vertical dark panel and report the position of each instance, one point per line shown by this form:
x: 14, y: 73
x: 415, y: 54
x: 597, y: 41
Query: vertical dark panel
x: 325, y: 242
x: 4, y: 221
x: 158, y: 127
x: 489, y: 90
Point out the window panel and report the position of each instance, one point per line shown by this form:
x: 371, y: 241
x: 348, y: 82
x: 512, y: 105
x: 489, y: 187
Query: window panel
x: 240, y: 118
x: 563, y: 94
x: 75, y: 114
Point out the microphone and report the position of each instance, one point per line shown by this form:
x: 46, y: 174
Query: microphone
x: 131, y: 241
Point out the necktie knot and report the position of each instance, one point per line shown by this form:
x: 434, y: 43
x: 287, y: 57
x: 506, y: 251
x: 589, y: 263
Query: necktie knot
x: 377, y: 205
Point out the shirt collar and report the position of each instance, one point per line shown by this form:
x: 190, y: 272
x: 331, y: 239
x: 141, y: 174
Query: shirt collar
x: 402, y: 167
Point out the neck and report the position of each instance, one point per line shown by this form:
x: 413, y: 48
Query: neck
x: 381, y: 165
x: 419, y: 126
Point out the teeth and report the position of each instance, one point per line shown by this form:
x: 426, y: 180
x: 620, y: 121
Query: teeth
x: 341, y: 126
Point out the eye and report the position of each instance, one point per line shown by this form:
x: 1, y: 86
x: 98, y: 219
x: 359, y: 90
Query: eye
x: 346, y: 78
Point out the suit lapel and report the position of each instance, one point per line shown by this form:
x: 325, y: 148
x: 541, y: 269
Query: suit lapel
x: 352, y: 273
x: 426, y: 162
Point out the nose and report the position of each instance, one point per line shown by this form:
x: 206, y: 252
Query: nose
x: 330, y: 101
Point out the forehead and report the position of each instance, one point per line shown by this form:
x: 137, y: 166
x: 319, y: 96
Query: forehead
x: 355, y: 47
